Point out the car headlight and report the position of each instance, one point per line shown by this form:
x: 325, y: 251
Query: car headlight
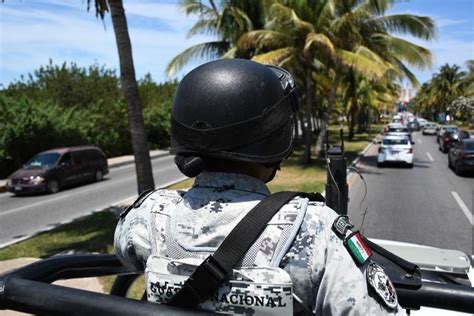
x: 36, y: 180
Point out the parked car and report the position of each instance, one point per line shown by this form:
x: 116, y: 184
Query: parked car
x: 51, y: 170
x: 449, y: 138
x: 444, y: 128
x: 395, y: 148
x: 461, y: 156
x: 429, y: 129
x: 413, y: 126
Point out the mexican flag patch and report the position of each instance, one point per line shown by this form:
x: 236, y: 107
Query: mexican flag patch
x: 357, y: 248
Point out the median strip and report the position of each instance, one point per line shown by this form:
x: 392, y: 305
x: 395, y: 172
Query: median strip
x: 462, y: 206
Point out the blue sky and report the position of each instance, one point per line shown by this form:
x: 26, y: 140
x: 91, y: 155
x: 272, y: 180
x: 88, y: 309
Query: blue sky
x: 34, y: 31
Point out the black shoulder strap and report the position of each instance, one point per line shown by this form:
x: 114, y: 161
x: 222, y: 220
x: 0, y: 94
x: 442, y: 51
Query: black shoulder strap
x: 207, y: 277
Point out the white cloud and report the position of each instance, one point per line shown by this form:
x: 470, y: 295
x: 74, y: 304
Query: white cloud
x: 30, y: 36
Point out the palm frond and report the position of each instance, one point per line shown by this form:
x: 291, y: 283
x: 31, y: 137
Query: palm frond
x: 283, y: 17
x: 362, y: 63
x: 319, y: 39
x: 203, y: 26
x: 230, y: 53
x: 378, y: 7
x: 415, y: 55
x: 418, y: 26
x: 408, y: 74
x: 207, y: 51
x: 196, y: 7
x: 241, y: 18
x: 263, y: 39
x: 274, y: 57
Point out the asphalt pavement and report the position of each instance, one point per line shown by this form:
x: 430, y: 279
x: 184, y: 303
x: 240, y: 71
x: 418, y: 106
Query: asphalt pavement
x: 427, y: 204
x: 21, y: 217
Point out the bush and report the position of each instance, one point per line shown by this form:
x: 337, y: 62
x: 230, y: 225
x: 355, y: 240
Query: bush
x: 62, y: 106
x: 28, y: 128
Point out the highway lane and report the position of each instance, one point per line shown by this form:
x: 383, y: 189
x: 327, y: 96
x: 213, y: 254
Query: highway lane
x: 22, y: 216
x: 427, y: 205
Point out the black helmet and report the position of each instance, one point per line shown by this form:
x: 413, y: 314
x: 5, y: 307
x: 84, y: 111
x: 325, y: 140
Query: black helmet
x: 233, y: 109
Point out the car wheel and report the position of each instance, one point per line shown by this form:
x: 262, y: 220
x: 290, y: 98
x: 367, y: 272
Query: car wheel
x: 98, y: 175
x: 410, y: 165
x: 380, y: 164
x: 457, y: 169
x: 52, y: 186
x: 449, y: 162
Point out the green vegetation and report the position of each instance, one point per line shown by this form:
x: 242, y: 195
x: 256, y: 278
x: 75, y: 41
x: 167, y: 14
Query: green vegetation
x: 67, y: 105
x: 92, y: 233
x: 346, y: 56
x: 450, y: 91
x: 310, y: 178
x: 95, y: 232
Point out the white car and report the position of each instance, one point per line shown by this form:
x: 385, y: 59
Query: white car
x: 429, y: 129
x: 395, y: 148
x: 422, y: 121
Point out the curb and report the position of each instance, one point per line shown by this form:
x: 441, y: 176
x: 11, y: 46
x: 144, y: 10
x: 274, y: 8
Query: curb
x: 362, y: 154
x: 112, y: 208
x: 132, y: 160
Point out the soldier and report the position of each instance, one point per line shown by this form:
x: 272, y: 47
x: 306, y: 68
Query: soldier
x: 232, y: 125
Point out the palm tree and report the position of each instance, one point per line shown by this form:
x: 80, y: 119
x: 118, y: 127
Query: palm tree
x: 130, y: 90
x: 227, y: 22
x: 340, y: 36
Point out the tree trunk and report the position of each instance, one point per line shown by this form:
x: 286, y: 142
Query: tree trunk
x: 132, y: 98
x: 352, y: 122
x: 309, y: 130
x: 327, y: 115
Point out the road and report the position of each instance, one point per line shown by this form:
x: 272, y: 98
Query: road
x: 427, y: 205
x: 22, y: 216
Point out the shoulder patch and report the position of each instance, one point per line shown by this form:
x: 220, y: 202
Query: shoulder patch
x: 352, y: 239
x: 380, y: 284
x: 142, y: 197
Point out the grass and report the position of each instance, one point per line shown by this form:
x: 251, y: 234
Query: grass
x: 310, y: 178
x: 92, y: 233
x: 95, y: 232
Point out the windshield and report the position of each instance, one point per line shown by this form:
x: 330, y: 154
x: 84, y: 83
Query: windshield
x: 451, y: 129
x: 395, y: 141
x: 398, y: 130
x: 42, y: 161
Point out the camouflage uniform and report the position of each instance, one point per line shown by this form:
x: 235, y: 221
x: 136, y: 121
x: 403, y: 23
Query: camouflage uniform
x: 192, y: 224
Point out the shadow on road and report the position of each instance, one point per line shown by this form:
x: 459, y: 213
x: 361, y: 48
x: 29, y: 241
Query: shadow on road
x: 371, y: 161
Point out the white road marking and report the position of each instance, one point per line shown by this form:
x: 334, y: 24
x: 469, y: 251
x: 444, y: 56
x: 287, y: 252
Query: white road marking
x: 34, y: 204
x: 164, y: 185
x: 429, y: 156
x: 419, y: 140
x: 462, y: 206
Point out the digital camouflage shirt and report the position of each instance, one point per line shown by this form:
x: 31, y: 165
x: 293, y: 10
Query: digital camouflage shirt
x: 193, y: 223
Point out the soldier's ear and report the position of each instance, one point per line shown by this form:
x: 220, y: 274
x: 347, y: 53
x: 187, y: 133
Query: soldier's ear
x: 190, y: 166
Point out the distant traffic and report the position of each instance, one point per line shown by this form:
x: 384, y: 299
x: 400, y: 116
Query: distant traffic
x: 397, y: 145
